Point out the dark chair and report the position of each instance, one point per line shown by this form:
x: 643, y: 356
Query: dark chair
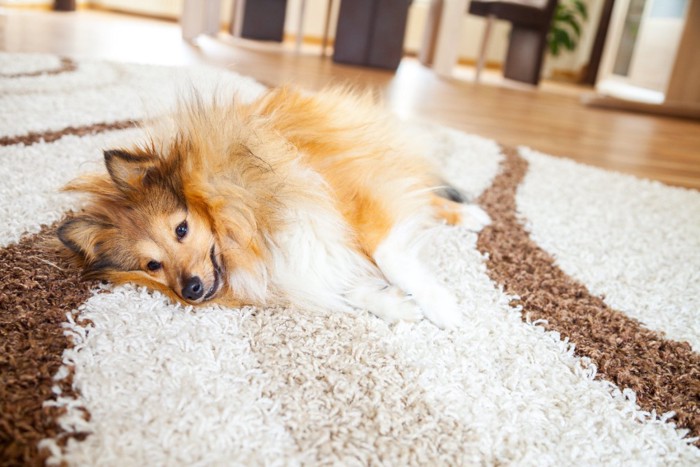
x: 528, y: 36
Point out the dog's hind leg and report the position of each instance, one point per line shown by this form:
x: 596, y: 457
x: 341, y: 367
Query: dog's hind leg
x: 386, y: 301
x: 470, y: 216
x: 398, y: 258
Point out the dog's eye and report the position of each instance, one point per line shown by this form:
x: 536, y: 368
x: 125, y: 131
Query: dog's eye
x: 181, y: 230
x: 154, y: 265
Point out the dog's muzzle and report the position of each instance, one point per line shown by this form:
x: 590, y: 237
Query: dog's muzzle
x: 193, y: 289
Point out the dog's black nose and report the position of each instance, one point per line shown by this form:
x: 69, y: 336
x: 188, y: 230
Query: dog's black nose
x: 193, y: 289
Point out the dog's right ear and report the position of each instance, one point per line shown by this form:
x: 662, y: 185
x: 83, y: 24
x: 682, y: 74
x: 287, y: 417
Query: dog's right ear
x: 127, y: 169
x: 80, y: 235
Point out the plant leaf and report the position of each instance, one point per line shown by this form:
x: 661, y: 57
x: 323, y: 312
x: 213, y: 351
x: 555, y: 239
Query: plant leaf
x: 581, y: 7
x: 574, y: 25
x: 565, y: 30
x: 554, y: 48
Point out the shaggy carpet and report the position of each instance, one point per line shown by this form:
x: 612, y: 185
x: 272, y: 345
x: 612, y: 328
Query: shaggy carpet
x: 579, y: 345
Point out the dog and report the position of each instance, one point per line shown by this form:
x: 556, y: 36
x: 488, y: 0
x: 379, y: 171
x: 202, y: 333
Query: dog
x: 316, y: 201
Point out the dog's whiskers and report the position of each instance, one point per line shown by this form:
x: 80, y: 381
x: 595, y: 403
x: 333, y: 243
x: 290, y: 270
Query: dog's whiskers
x: 47, y: 262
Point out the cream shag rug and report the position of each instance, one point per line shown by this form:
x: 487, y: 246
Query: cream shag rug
x: 579, y: 345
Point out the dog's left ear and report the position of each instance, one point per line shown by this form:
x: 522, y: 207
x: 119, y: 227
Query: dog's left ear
x: 80, y: 235
x: 127, y: 169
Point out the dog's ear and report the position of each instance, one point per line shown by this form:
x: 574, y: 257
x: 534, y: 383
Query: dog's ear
x: 127, y: 169
x: 80, y: 235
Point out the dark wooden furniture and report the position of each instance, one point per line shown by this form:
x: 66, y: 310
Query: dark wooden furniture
x: 264, y: 20
x: 64, y: 5
x: 591, y: 75
x: 528, y: 36
x: 371, y: 32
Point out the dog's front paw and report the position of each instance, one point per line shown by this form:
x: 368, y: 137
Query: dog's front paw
x: 474, y: 218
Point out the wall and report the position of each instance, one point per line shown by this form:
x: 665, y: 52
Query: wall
x: 165, y: 8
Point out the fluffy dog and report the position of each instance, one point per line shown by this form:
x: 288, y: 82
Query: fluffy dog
x: 312, y: 201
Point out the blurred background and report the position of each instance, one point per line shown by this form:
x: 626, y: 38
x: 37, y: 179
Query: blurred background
x: 613, y: 83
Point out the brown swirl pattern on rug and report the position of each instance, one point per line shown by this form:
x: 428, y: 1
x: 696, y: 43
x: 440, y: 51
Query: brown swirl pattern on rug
x: 37, y: 289
x: 665, y: 374
x: 51, y: 136
x: 66, y: 66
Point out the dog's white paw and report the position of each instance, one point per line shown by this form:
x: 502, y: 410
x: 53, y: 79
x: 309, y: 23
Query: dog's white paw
x: 440, y: 307
x: 474, y: 218
x: 389, y: 303
x: 408, y: 310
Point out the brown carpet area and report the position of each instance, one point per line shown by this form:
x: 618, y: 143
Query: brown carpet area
x: 665, y: 374
x: 66, y: 65
x: 51, y: 136
x: 37, y: 290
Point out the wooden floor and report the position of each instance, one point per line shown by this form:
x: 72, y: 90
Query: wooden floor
x: 550, y: 119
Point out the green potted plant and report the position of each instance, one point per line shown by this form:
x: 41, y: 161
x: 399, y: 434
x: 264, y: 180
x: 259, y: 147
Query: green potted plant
x: 565, y: 31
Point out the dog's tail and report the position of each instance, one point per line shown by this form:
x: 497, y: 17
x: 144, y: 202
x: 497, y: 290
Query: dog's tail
x: 447, y: 191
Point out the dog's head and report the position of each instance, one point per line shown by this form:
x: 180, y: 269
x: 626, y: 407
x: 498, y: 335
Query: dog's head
x: 189, y: 211
x: 141, y: 227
